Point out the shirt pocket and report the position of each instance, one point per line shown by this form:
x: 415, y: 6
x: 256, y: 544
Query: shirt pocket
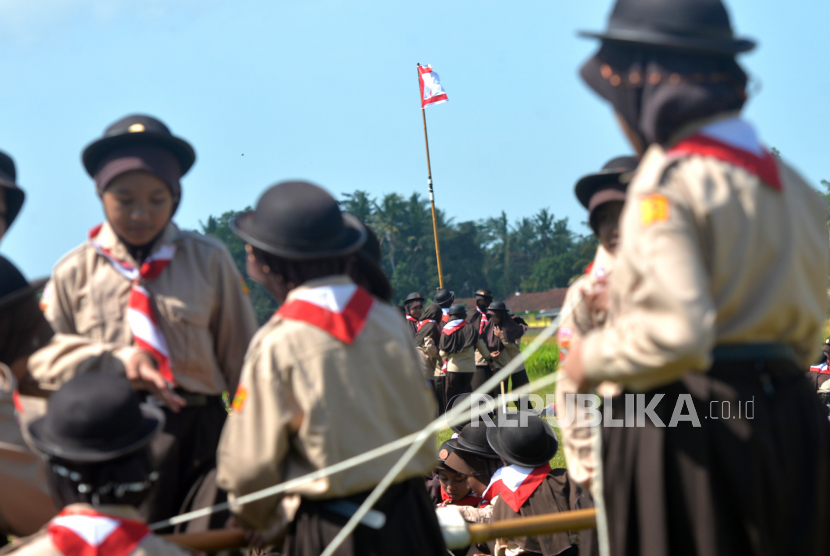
x: 100, y: 321
x: 188, y: 335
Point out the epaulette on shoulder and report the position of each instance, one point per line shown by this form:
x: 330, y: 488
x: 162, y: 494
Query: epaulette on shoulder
x: 208, y: 241
x: 69, y: 257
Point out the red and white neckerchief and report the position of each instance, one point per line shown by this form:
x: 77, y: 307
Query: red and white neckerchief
x: 140, y: 313
x: 446, y: 314
x: 453, y: 326
x: 733, y: 141
x: 85, y: 532
x: 340, y: 310
x: 822, y: 368
x: 422, y: 323
x: 484, y: 320
x: 444, y: 366
x: 515, y: 484
x: 471, y: 499
x: 410, y: 318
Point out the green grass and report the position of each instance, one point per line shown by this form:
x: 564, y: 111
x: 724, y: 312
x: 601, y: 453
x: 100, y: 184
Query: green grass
x: 541, y: 363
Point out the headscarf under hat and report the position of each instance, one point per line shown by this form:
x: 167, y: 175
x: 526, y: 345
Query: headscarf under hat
x: 141, y: 158
x: 658, y: 91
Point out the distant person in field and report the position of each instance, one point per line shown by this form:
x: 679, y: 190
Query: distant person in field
x: 459, y: 342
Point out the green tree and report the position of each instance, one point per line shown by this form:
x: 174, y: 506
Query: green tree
x: 219, y: 227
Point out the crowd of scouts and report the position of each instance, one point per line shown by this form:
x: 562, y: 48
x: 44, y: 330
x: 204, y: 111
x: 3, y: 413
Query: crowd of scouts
x: 708, y: 284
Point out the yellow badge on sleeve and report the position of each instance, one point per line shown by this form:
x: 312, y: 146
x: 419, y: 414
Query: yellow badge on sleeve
x: 239, y: 399
x: 654, y: 208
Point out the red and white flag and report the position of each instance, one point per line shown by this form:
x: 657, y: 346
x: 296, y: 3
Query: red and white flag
x: 140, y: 313
x: 515, y: 484
x: 82, y: 532
x: 431, y: 90
x: 340, y: 310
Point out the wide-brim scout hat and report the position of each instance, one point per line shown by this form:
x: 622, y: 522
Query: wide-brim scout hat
x: 689, y: 25
x: 298, y: 220
x: 95, y: 417
x: 13, y: 286
x: 443, y: 296
x: 457, y: 310
x: 484, y: 292
x: 8, y: 181
x: 137, y: 130
x: 414, y: 296
x: 454, y: 401
x: 527, y: 446
x: 473, y: 440
x: 609, y: 184
x: 497, y: 306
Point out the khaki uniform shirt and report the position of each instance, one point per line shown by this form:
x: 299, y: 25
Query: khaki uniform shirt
x: 307, y: 400
x: 464, y: 361
x: 152, y: 545
x: 202, y: 311
x: 432, y: 362
x: 709, y: 255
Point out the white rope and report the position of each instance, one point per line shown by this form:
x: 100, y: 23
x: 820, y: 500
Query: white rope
x: 454, y: 416
x: 465, y: 405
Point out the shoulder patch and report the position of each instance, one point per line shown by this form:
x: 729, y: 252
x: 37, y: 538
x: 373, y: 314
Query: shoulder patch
x: 239, y: 399
x: 654, y: 208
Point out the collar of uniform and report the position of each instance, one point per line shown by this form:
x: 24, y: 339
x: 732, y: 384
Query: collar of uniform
x: 695, y: 126
x: 112, y: 510
x: 110, y: 241
x: 336, y: 280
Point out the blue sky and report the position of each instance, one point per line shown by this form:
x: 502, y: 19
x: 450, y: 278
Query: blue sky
x: 327, y: 91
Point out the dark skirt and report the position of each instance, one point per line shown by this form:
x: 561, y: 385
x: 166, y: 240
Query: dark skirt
x: 183, y: 454
x: 457, y: 383
x: 411, y: 526
x: 753, y: 478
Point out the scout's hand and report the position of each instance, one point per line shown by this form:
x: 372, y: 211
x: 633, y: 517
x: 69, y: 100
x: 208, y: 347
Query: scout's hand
x: 494, y: 354
x: 597, y: 296
x: 498, y: 332
x: 141, y: 371
x: 574, y: 369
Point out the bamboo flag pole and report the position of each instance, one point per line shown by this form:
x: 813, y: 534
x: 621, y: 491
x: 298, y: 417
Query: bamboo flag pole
x: 431, y: 194
x: 234, y: 539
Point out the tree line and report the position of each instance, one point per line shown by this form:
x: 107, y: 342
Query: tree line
x: 530, y: 254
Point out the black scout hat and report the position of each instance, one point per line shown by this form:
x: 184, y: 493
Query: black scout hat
x: 443, y: 296
x: 133, y: 131
x: 690, y: 25
x: 484, y: 292
x: 454, y: 401
x: 8, y: 181
x: 414, y: 296
x: 298, y: 220
x: 13, y: 286
x: 497, y: 306
x: 95, y: 417
x: 527, y: 446
x: 606, y: 179
x: 474, y: 440
x: 457, y: 310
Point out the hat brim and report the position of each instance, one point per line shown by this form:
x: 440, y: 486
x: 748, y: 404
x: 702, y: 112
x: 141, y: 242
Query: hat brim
x: 590, y: 184
x: 97, y: 150
x: 14, y: 200
x: 152, y: 423
x: 691, y: 43
x: 354, y: 236
x: 456, y: 445
x: 414, y: 299
x: 494, y: 439
x: 14, y: 297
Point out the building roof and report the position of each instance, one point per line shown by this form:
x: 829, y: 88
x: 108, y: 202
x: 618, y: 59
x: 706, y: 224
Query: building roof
x: 532, y: 302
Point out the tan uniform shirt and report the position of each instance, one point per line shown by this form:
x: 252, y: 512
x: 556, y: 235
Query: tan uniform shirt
x: 307, y: 400
x: 709, y: 255
x: 202, y: 311
x: 464, y: 361
x: 152, y: 545
x: 432, y: 361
